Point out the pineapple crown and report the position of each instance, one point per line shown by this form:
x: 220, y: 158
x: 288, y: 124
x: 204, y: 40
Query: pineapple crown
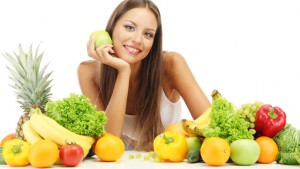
x: 31, y: 83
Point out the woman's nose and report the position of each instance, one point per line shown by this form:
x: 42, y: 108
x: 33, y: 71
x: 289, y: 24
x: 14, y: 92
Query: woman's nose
x: 137, y: 38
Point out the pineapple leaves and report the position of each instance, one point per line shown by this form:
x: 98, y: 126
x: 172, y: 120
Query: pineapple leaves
x: 30, y: 83
x: 14, y: 63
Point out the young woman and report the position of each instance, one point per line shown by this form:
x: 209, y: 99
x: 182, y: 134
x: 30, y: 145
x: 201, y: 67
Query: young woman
x: 137, y: 84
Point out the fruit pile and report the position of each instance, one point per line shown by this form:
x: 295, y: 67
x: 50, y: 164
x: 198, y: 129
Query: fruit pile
x: 45, y: 153
x: 215, y: 151
x: 42, y: 127
x: 247, y: 135
x: 44, y: 133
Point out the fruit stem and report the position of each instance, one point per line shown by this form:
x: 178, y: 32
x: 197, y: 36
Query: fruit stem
x: 168, y: 140
x: 215, y: 94
x: 16, y: 149
x: 69, y: 142
x: 272, y: 114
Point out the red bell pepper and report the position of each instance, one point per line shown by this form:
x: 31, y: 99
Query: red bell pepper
x: 269, y: 120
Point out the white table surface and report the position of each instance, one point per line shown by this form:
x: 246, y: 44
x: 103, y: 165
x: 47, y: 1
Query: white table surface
x: 126, y: 163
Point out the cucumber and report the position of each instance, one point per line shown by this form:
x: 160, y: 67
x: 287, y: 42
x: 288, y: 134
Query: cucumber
x: 193, y: 155
x: 2, y: 162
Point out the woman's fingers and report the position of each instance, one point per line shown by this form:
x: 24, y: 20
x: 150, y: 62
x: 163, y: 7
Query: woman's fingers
x: 111, y: 50
x: 105, y: 54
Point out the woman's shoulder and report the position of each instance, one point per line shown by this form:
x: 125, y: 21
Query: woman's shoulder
x: 173, y: 63
x: 87, y: 69
x: 172, y: 60
x: 172, y: 56
x: 88, y: 63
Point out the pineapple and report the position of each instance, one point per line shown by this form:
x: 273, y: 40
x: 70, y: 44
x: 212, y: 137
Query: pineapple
x: 30, y: 83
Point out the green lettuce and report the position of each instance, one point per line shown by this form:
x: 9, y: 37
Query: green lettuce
x: 77, y: 114
x: 226, y: 123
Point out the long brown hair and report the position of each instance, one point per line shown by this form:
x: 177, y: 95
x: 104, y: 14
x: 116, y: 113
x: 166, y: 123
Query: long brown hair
x: 150, y: 78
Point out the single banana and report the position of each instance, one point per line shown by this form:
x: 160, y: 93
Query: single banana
x: 204, y: 118
x: 30, y: 134
x: 193, y: 128
x: 49, y: 129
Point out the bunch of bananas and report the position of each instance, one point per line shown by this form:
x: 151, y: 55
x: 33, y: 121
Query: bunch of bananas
x: 41, y: 127
x: 195, y: 127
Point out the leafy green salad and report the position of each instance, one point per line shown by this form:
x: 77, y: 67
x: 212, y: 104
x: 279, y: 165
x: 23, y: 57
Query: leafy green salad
x: 77, y: 114
x: 225, y: 122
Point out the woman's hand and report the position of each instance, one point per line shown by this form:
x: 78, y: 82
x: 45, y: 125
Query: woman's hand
x: 105, y: 54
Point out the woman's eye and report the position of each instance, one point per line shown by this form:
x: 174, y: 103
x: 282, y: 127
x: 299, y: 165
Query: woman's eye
x: 149, y: 35
x: 128, y: 27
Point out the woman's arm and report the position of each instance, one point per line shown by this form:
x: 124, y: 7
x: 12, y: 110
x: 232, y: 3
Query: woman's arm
x: 182, y: 80
x: 117, y: 105
x: 115, y: 110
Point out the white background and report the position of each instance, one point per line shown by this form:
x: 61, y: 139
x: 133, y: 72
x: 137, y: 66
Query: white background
x: 248, y: 50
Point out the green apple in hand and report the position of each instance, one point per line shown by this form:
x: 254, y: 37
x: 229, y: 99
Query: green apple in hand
x: 193, y: 142
x: 102, y: 37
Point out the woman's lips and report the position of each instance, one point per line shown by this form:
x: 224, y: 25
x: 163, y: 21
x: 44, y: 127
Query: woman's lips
x: 133, y: 50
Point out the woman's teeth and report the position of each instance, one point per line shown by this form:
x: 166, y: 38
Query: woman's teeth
x: 132, y: 49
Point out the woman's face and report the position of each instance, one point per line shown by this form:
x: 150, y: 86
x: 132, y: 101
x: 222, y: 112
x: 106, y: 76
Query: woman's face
x: 133, y: 34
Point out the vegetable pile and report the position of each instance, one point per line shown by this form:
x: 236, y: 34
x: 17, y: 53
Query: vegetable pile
x: 77, y: 114
x: 252, y: 121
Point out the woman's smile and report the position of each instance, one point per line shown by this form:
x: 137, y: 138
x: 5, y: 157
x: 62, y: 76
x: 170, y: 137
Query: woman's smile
x: 132, y: 50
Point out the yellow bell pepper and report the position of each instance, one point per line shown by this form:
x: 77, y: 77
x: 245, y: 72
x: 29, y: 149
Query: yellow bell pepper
x: 15, y: 153
x: 171, y: 146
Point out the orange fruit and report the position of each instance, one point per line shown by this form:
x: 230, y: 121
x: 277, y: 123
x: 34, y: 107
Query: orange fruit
x: 96, y: 139
x: 215, y: 151
x: 177, y: 127
x: 109, y: 148
x: 268, y: 149
x: 43, y: 153
x: 8, y: 137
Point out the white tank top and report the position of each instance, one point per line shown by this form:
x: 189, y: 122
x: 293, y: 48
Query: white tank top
x: 170, y: 113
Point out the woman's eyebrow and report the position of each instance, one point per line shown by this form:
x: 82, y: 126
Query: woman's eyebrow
x: 150, y: 29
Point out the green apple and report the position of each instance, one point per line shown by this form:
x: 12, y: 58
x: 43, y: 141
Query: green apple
x: 244, y: 152
x: 193, y: 142
x: 102, y: 37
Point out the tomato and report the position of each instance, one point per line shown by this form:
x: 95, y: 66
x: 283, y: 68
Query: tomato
x: 71, y: 155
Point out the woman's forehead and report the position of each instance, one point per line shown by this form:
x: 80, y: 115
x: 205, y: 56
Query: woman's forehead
x: 141, y: 16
